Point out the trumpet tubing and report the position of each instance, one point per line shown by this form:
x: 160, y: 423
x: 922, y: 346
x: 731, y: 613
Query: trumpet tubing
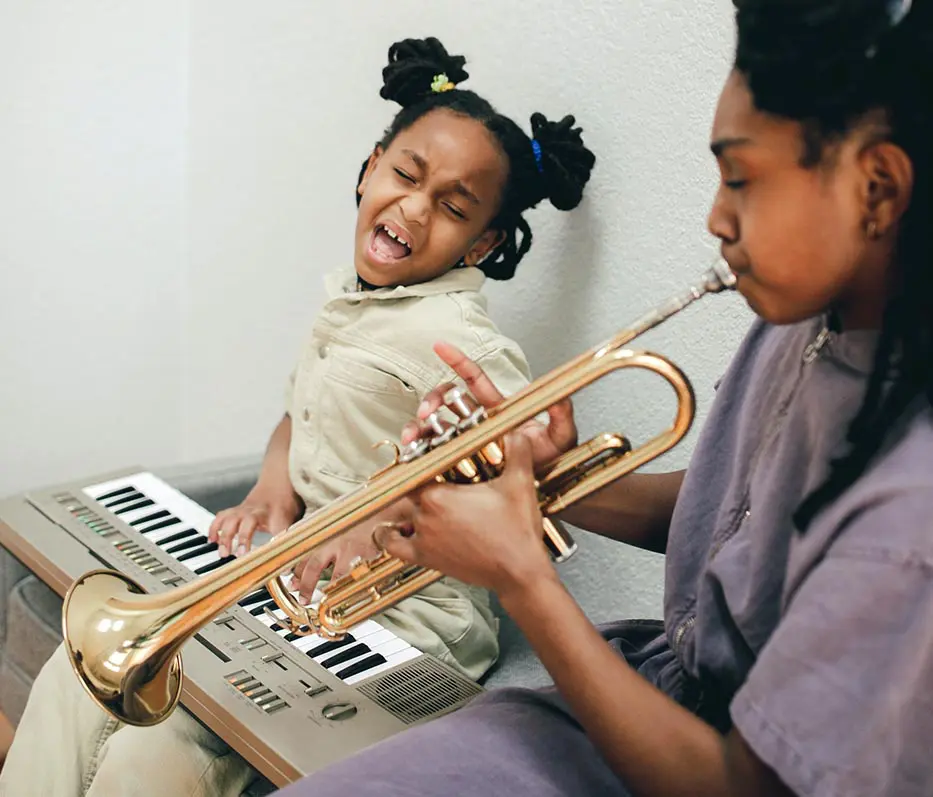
x: 124, y: 644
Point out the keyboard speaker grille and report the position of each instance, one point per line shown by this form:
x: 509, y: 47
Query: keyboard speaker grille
x: 419, y: 689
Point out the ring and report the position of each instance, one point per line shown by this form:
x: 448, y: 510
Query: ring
x: 355, y: 562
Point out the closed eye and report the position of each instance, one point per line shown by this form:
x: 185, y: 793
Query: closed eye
x: 455, y: 210
x: 735, y: 185
x: 405, y: 175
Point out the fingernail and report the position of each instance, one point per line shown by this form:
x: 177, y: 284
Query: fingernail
x: 423, y: 409
x: 222, y: 550
x: 241, y: 551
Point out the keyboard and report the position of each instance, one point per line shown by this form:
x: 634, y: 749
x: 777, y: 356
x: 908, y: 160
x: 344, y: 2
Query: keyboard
x: 289, y: 704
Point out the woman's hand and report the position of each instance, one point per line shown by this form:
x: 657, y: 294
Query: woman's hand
x: 548, y: 441
x: 487, y: 534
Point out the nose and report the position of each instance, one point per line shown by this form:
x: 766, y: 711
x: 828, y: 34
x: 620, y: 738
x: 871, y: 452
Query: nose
x: 416, y: 208
x: 721, y: 221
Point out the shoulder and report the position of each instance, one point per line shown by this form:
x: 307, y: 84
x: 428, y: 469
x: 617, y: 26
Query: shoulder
x: 888, y: 511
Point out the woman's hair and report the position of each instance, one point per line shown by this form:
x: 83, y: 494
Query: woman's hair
x: 829, y: 64
x: 552, y: 164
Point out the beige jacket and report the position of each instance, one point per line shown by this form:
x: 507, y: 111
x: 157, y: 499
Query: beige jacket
x: 367, y: 365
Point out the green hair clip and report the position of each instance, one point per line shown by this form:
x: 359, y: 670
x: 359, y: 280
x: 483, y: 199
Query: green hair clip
x: 441, y: 83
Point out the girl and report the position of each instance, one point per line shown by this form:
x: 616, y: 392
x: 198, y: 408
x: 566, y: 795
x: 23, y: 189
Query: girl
x: 796, y: 655
x: 440, y: 200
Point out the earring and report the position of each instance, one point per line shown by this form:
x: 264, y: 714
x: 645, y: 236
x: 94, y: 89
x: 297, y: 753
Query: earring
x: 872, y: 231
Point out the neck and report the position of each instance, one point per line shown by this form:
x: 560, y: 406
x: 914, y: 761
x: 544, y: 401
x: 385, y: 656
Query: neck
x: 363, y: 285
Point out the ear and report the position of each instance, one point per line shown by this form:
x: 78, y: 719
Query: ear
x: 888, y: 184
x: 374, y: 159
x: 483, y: 247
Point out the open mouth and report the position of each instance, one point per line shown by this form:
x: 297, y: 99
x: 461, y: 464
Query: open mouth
x: 389, y: 245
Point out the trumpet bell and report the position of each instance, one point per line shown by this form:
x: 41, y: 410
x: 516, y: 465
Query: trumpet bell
x: 112, y: 650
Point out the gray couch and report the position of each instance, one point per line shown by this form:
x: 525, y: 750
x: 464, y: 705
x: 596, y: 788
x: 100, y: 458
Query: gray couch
x: 609, y: 581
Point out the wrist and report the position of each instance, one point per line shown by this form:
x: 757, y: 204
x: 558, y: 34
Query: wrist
x: 532, y: 589
x: 274, y: 495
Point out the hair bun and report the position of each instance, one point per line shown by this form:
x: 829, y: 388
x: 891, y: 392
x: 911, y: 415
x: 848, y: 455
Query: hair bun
x: 413, y: 66
x: 565, y: 162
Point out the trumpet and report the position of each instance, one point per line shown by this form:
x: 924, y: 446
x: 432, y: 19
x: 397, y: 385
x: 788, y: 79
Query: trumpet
x: 124, y: 645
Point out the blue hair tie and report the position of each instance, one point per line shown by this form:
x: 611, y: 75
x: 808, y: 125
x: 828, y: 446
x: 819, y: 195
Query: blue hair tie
x: 539, y: 158
x: 897, y: 11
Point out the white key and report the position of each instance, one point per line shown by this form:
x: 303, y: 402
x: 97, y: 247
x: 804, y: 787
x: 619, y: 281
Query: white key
x: 391, y: 647
x: 164, y: 534
x: 200, y: 561
x: 392, y: 661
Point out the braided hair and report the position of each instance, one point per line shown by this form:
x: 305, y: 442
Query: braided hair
x: 552, y: 164
x: 829, y: 64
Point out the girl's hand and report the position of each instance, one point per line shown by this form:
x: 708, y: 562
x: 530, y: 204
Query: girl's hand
x: 233, y: 529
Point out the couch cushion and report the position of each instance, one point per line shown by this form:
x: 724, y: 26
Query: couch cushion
x: 35, y: 623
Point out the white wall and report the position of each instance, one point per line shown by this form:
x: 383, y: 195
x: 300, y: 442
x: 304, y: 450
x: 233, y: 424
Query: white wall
x: 180, y: 178
x: 92, y: 160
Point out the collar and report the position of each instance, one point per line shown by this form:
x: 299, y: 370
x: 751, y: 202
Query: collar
x: 854, y: 348
x: 342, y: 284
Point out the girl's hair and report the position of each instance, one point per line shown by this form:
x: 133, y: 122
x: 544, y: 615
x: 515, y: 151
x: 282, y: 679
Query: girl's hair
x: 554, y: 164
x: 830, y: 64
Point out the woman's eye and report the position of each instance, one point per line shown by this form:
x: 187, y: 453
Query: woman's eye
x: 405, y: 175
x: 735, y: 185
x: 455, y: 210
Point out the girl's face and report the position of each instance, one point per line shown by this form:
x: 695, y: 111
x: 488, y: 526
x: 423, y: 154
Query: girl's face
x: 427, y: 201
x: 805, y: 239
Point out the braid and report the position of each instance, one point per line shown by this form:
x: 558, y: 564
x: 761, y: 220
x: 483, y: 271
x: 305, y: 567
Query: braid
x: 560, y: 176
x: 828, y: 64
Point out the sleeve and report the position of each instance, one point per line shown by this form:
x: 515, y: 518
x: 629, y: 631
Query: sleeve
x: 505, y: 365
x: 840, y: 700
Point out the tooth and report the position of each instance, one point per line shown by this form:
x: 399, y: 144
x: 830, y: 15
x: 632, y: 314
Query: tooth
x: 391, y: 234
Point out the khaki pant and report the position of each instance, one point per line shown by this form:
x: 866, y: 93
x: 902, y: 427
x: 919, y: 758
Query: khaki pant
x: 65, y: 746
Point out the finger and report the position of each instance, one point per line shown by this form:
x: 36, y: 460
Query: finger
x: 411, y: 431
x: 480, y: 385
x: 217, y: 524
x: 433, y: 401
x: 519, y: 459
x: 311, y: 575
x: 244, y: 536
x: 227, y: 536
x: 562, y: 427
x: 395, y: 542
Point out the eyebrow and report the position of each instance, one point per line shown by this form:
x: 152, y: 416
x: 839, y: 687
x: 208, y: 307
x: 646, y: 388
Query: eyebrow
x: 720, y: 145
x: 459, y: 187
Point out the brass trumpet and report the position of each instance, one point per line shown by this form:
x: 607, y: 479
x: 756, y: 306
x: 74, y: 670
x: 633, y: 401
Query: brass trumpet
x: 124, y: 645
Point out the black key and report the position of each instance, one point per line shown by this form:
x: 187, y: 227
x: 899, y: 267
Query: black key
x: 190, y: 542
x: 148, y: 518
x: 261, y: 608
x: 345, y: 655
x: 363, y: 665
x: 327, y: 647
x: 292, y: 637
x: 211, y: 546
x: 261, y: 594
x: 130, y: 507
x: 178, y: 535
x: 162, y: 524
x: 213, y: 565
x: 115, y: 493
x: 276, y: 627
x: 133, y: 496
